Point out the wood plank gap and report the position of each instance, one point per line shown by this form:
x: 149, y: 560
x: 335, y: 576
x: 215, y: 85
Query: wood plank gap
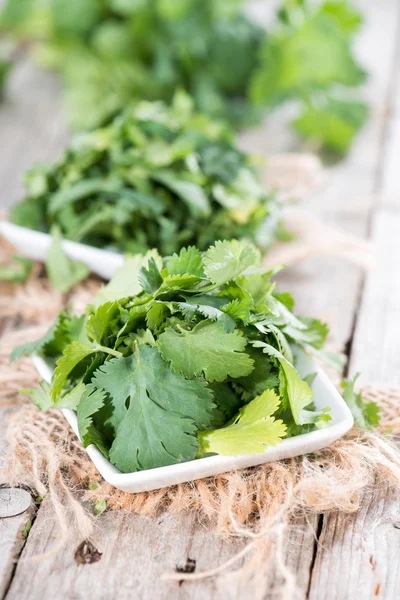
x: 348, y: 346
x: 392, y: 88
x: 315, y: 550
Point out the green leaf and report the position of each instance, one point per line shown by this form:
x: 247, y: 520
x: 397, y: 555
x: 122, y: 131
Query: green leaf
x: 308, y: 57
x: 333, y: 124
x: 159, y: 424
x: 178, y: 282
x: 42, y: 400
x: 41, y: 396
x: 37, y: 346
x: 189, y: 261
x: 18, y: 271
x: 63, y: 272
x: 227, y: 260
x: 251, y: 431
x: 156, y: 315
x: 347, y: 15
x: 298, y: 392
x: 366, y: 414
x: 79, y: 190
x: 208, y: 349
x: 332, y: 359
x: 317, y: 37
x: 192, y: 194
x: 227, y: 403
x: 72, y: 398
x: 102, y: 321
x: 264, y: 376
x: 125, y: 282
x: 315, y: 334
x: 238, y: 311
x: 91, y: 402
x: 258, y: 285
x: 149, y: 277
x: 191, y: 306
x: 72, y: 356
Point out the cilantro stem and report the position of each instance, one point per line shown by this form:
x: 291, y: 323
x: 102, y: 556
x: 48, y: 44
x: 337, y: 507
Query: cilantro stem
x: 109, y: 351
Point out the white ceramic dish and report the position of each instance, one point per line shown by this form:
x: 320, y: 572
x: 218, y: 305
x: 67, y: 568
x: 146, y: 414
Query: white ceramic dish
x: 35, y: 244
x: 325, y: 394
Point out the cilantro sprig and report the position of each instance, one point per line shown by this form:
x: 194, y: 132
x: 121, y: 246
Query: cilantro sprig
x: 182, y: 357
x: 158, y: 177
x: 113, y: 52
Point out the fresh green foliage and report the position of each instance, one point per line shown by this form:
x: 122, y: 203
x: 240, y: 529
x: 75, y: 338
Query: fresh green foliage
x: 366, y: 414
x: 112, y: 52
x: 18, y: 271
x: 190, y: 351
x: 41, y: 397
x: 251, y: 430
x: 307, y: 57
x: 197, y: 360
x: 158, y: 177
x: 109, y: 52
x: 64, y: 330
x: 64, y: 273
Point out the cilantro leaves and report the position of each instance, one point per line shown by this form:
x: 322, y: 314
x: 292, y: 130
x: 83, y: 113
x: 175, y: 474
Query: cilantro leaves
x: 206, y: 349
x: 164, y: 410
x: 308, y: 57
x: 252, y: 430
x: 106, y: 58
x: 140, y: 184
x: 366, y: 414
x: 183, y: 356
x: 64, y: 273
x: 17, y: 271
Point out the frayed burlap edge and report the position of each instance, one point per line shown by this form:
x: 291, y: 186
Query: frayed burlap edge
x: 257, y: 504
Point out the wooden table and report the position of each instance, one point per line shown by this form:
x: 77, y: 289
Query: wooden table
x: 337, y: 556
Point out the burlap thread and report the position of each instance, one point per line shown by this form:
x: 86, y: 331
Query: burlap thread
x: 258, y: 505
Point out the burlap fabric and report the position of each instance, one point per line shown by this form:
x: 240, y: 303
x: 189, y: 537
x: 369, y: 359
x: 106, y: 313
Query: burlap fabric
x: 258, y: 504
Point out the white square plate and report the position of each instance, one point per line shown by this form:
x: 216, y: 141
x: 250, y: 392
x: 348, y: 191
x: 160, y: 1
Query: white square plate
x: 325, y: 394
x: 35, y: 245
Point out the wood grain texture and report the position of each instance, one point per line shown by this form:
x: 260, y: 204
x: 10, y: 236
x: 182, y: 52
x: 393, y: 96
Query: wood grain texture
x: 11, y: 540
x: 359, y: 553
x: 32, y: 128
x: 136, y: 551
x: 376, y: 345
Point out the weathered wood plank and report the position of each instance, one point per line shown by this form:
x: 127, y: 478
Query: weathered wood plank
x: 376, y: 346
x: 360, y: 552
x: 31, y: 125
x: 137, y: 551
x: 11, y: 527
x: 358, y: 556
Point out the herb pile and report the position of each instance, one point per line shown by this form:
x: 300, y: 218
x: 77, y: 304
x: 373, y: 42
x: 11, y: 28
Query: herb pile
x: 112, y: 52
x: 183, y: 357
x: 158, y: 177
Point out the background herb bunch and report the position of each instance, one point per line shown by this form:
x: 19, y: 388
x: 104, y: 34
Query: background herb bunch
x: 158, y: 177
x: 182, y: 357
x: 110, y: 52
